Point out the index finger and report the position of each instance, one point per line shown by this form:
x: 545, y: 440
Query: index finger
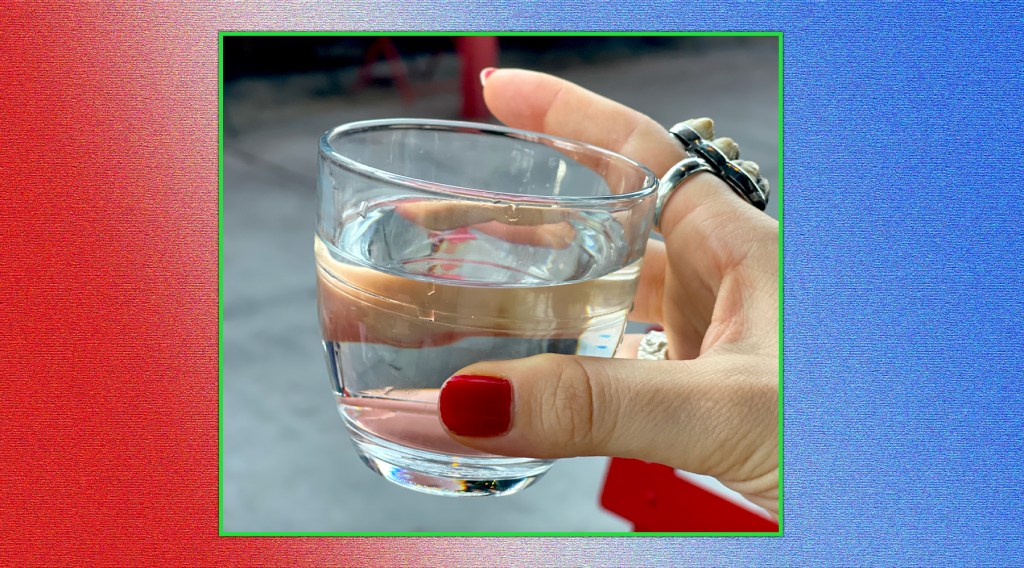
x: 544, y: 103
x: 708, y: 230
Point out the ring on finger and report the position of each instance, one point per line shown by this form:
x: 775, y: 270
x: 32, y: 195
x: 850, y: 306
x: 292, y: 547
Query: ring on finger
x: 653, y: 346
x: 719, y: 157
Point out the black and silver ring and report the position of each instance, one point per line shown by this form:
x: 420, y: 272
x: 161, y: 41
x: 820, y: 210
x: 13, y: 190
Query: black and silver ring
x: 706, y: 157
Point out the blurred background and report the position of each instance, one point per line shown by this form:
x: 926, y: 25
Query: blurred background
x: 287, y: 463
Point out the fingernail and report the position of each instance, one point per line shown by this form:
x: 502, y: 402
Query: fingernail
x: 486, y: 73
x: 654, y: 328
x: 476, y: 406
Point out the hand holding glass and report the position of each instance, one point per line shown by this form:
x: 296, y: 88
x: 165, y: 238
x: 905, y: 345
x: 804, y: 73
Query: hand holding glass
x: 440, y: 244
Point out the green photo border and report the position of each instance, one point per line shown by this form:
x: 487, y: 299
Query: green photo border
x: 220, y: 281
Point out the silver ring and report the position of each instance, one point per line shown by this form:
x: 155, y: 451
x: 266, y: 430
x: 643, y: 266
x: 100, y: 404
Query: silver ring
x: 653, y: 347
x: 672, y: 180
x: 702, y: 156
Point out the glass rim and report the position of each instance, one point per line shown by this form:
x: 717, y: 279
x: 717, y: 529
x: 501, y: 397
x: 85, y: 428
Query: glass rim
x: 648, y: 188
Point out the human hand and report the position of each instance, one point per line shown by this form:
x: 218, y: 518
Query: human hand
x: 713, y: 285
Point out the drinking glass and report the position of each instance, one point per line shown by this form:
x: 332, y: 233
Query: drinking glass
x: 440, y: 244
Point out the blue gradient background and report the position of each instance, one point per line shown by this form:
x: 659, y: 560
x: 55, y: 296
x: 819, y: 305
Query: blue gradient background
x: 903, y: 247
x: 903, y: 268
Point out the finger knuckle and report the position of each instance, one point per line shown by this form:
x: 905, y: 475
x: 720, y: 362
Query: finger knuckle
x: 573, y: 404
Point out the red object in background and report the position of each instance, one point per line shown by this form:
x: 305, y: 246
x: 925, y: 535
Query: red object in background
x: 655, y: 499
x: 399, y: 74
x: 476, y: 54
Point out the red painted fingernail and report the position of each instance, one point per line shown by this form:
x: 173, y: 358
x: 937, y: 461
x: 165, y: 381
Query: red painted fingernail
x: 654, y: 328
x: 486, y: 73
x: 476, y: 406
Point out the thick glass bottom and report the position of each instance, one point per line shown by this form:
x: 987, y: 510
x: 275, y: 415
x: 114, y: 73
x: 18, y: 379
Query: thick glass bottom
x: 447, y: 475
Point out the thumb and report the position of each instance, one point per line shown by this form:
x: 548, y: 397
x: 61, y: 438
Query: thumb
x: 717, y: 415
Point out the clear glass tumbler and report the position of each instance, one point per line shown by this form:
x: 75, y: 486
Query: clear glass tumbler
x: 440, y: 244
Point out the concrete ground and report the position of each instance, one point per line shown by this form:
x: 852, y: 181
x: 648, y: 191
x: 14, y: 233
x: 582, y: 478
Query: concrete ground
x: 288, y: 465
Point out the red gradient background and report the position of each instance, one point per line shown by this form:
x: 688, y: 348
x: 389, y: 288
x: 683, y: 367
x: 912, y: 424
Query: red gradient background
x: 108, y: 294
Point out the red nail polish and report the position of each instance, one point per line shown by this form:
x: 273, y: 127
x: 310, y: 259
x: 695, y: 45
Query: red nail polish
x: 476, y: 406
x: 654, y: 328
x: 486, y: 73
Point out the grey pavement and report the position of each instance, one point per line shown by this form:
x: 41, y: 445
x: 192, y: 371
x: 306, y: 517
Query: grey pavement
x: 288, y: 465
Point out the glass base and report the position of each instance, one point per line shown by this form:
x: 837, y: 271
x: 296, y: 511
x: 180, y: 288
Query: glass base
x: 447, y: 475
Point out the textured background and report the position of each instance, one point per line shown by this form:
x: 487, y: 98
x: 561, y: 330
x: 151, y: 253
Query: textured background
x: 904, y: 428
